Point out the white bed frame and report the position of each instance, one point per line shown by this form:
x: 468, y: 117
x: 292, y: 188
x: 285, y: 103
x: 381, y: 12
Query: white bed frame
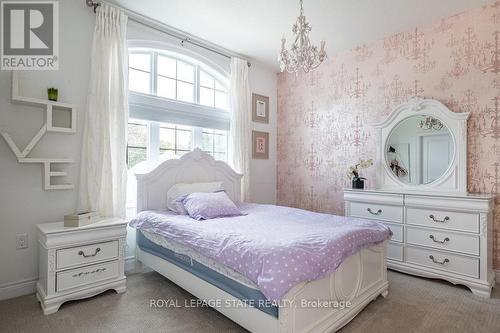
x: 357, y: 281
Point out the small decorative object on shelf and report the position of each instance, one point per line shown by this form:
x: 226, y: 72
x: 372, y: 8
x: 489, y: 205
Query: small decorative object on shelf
x: 353, y: 173
x: 81, y: 219
x: 52, y: 94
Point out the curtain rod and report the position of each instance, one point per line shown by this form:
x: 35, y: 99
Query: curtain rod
x: 170, y: 31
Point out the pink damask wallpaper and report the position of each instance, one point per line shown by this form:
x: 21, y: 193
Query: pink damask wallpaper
x: 323, y: 115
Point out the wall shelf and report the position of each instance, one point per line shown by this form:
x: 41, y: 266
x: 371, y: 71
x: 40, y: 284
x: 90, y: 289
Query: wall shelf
x: 49, y: 107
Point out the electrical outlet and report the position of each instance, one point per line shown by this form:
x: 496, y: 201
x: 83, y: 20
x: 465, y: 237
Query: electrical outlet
x: 21, y: 241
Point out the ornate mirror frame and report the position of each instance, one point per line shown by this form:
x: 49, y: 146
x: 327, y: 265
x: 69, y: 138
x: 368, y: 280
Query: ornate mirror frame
x: 455, y: 178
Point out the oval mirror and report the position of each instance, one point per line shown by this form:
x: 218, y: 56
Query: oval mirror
x: 419, y: 150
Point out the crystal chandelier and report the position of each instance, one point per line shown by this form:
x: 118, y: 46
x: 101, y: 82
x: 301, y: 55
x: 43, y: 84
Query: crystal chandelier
x: 431, y: 123
x: 302, y: 54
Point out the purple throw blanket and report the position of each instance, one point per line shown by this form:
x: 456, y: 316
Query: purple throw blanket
x: 275, y: 247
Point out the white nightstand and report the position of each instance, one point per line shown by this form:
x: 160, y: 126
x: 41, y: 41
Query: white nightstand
x: 80, y: 262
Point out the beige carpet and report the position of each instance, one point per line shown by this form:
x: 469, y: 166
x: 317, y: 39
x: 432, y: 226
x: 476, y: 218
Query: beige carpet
x: 413, y: 305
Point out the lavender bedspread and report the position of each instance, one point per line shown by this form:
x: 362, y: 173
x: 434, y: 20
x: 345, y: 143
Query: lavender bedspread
x: 275, y: 247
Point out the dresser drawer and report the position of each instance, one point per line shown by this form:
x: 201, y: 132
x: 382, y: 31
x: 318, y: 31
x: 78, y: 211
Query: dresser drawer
x: 395, y: 251
x: 377, y: 211
x: 397, y: 231
x: 78, y: 277
x: 442, y: 239
x: 444, y: 261
x: 468, y: 222
x: 82, y: 255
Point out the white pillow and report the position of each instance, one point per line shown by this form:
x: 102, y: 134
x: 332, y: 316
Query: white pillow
x: 183, y: 189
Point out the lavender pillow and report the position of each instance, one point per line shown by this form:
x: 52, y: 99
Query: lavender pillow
x: 205, y: 206
x: 178, y: 205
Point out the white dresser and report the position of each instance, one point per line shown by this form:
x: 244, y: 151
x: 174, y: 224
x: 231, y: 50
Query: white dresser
x: 439, y: 230
x: 445, y: 236
x: 80, y: 262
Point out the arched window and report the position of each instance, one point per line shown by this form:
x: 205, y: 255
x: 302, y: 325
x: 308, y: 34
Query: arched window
x: 166, y: 75
x: 177, y: 103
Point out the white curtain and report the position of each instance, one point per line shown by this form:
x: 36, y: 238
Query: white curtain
x: 239, y: 135
x: 103, y: 173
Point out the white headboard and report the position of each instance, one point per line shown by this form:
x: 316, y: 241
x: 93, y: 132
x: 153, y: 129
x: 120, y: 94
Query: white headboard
x: 192, y: 167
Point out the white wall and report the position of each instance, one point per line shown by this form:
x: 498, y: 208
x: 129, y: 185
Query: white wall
x: 263, y: 181
x: 23, y: 202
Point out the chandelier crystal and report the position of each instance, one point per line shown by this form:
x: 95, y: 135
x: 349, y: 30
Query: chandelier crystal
x: 302, y: 55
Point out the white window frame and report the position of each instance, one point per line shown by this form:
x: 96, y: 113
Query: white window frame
x: 154, y: 108
x: 153, y: 152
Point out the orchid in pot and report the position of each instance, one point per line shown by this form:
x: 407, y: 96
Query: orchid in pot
x: 353, y: 173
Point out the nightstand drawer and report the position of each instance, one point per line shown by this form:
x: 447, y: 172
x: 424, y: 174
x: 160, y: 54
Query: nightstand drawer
x: 83, y: 255
x: 443, y: 239
x: 82, y: 276
x: 377, y: 211
x: 468, y: 222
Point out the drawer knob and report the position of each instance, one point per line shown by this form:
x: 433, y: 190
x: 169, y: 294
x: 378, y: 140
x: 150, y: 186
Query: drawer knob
x: 378, y: 212
x: 89, y: 272
x: 445, y: 261
x: 446, y: 219
x: 81, y: 253
x: 439, y: 241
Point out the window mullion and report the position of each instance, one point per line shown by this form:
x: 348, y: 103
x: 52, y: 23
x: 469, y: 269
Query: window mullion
x: 176, y: 75
x: 175, y: 139
x: 197, y: 85
x: 197, y: 137
x: 213, y: 143
x: 154, y: 144
x: 154, y: 78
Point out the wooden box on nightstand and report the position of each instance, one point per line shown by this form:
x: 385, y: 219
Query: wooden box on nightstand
x: 80, y: 262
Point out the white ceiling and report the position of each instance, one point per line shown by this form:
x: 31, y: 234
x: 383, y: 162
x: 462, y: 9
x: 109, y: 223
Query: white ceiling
x: 254, y: 28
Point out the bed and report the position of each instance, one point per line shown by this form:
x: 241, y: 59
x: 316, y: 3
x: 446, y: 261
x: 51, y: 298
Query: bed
x: 321, y: 305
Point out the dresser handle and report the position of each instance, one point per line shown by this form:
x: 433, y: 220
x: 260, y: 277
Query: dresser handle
x: 445, y: 261
x: 91, y: 272
x: 373, y: 213
x: 439, y: 241
x: 89, y: 255
x: 446, y: 219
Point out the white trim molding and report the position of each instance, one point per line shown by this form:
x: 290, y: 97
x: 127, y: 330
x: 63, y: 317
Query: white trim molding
x: 130, y: 265
x: 18, y: 288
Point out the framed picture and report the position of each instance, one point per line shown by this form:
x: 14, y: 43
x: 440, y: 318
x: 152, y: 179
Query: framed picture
x: 260, y: 108
x: 260, y: 143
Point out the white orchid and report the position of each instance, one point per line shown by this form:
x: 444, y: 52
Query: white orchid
x: 353, y: 171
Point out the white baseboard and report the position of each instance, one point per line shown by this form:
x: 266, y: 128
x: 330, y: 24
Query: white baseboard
x: 18, y: 288
x: 28, y: 286
x: 130, y: 265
